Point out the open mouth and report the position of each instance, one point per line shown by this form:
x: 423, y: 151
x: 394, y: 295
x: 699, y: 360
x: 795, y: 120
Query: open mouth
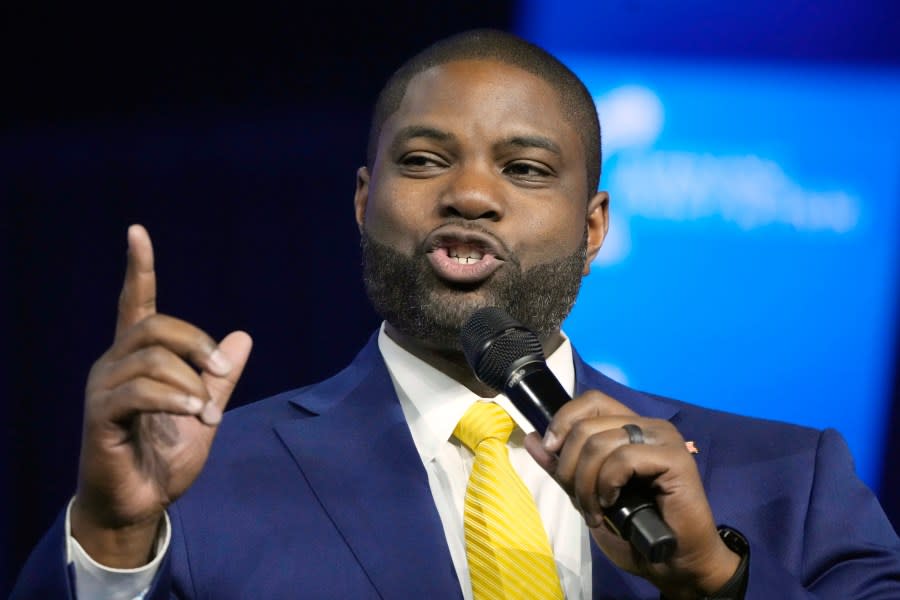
x: 465, y: 254
x: 461, y: 256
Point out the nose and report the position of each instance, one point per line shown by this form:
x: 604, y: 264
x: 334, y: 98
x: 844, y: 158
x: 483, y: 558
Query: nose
x: 473, y: 192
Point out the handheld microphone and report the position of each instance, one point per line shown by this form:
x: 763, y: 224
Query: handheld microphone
x: 507, y: 356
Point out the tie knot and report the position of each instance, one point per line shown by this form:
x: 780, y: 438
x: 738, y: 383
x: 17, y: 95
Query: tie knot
x: 483, y: 420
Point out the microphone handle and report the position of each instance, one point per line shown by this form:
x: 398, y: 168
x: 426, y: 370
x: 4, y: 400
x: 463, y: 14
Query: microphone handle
x: 537, y: 393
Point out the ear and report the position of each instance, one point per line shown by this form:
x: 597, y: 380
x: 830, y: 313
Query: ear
x: 361, y: 196
x: 597, y: 226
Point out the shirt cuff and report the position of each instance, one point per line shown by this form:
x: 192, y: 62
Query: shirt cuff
x: 95, y: 581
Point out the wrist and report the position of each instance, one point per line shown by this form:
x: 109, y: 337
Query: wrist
x: 123, y: 546
x: 736, y: 587
x: 721, y: 567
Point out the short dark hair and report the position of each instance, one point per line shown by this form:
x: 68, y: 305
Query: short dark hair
x: 489, y: 44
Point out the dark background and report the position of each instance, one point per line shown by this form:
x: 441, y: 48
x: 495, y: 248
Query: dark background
x: 233, y: 133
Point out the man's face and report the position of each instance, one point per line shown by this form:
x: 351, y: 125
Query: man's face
x: 477, y: 197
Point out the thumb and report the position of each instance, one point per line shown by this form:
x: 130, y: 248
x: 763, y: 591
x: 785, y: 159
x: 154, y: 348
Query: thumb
x: 236, y: 347
x: 535, y: 447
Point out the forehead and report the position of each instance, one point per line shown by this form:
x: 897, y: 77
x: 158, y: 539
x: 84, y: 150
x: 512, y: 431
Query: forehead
x: 483, y: 97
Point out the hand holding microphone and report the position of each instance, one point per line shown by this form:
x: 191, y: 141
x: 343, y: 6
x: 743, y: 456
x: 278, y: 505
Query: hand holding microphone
x: 509, y: 358
x: 598, y: 455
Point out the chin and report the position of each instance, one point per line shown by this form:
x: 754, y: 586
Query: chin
x: 453, y: 306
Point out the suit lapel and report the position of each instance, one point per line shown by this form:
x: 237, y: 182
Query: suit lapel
x: 358, y: 456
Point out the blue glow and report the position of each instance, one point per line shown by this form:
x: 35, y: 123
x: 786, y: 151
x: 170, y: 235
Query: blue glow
x: 752, y: 261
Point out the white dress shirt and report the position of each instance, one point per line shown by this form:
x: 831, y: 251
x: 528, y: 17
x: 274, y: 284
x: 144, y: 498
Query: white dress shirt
x: 433, y: 404
x: 94, y: 581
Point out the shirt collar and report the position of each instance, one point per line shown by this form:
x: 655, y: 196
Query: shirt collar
x: 433, y: 403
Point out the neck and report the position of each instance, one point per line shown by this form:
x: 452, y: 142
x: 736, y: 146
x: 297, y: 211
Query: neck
x: 452, y: 362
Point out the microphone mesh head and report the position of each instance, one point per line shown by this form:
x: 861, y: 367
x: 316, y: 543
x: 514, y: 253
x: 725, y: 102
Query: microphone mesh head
x: 492, y: 341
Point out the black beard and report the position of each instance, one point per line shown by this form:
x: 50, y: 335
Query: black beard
x: 407, y: 294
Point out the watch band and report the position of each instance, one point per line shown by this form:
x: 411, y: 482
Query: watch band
x: 736, y: 587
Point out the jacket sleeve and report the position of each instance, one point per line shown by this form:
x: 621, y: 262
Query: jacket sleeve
x: 48, y: 574
x: 850, y: 549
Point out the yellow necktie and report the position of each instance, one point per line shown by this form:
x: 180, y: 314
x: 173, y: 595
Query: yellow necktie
x: 506, y: 545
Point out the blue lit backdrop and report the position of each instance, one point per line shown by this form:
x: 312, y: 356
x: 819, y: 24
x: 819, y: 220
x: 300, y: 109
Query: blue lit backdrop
x: 752, y: 258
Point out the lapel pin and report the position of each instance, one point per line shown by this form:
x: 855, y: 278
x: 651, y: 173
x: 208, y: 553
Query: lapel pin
x: 691, y: 447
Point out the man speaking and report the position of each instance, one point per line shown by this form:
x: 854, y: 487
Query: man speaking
x: 404, y: 476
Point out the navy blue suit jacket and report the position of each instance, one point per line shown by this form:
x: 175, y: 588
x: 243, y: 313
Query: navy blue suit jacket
x: 320, y: 493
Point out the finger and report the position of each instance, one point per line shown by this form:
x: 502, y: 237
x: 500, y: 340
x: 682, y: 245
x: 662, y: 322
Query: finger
x: 154, y: 362
x: 138, y: 297
x: 583, y: 486
x: 616, y: 549
x: 142, y: 395
x: 595, y: 436
x: 585, y: 479
x: 662, y: 443
x: 179, y: 336
x: 236, y: 348
x: 644, y: 461
x: 535, y: 448
x: 592, y: 403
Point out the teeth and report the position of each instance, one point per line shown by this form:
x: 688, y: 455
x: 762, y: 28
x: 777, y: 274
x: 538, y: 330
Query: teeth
x: 465, y: 255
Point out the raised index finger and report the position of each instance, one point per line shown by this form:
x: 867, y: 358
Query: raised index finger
x: 138, y: 298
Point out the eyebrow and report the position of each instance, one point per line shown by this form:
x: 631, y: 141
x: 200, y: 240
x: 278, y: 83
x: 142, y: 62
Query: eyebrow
x: 522, y: 141
x: 421, y: 131
x: 533, y: 141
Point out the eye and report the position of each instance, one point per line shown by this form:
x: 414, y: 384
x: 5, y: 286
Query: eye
x: 528, y: 170
x: 419, y: 162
